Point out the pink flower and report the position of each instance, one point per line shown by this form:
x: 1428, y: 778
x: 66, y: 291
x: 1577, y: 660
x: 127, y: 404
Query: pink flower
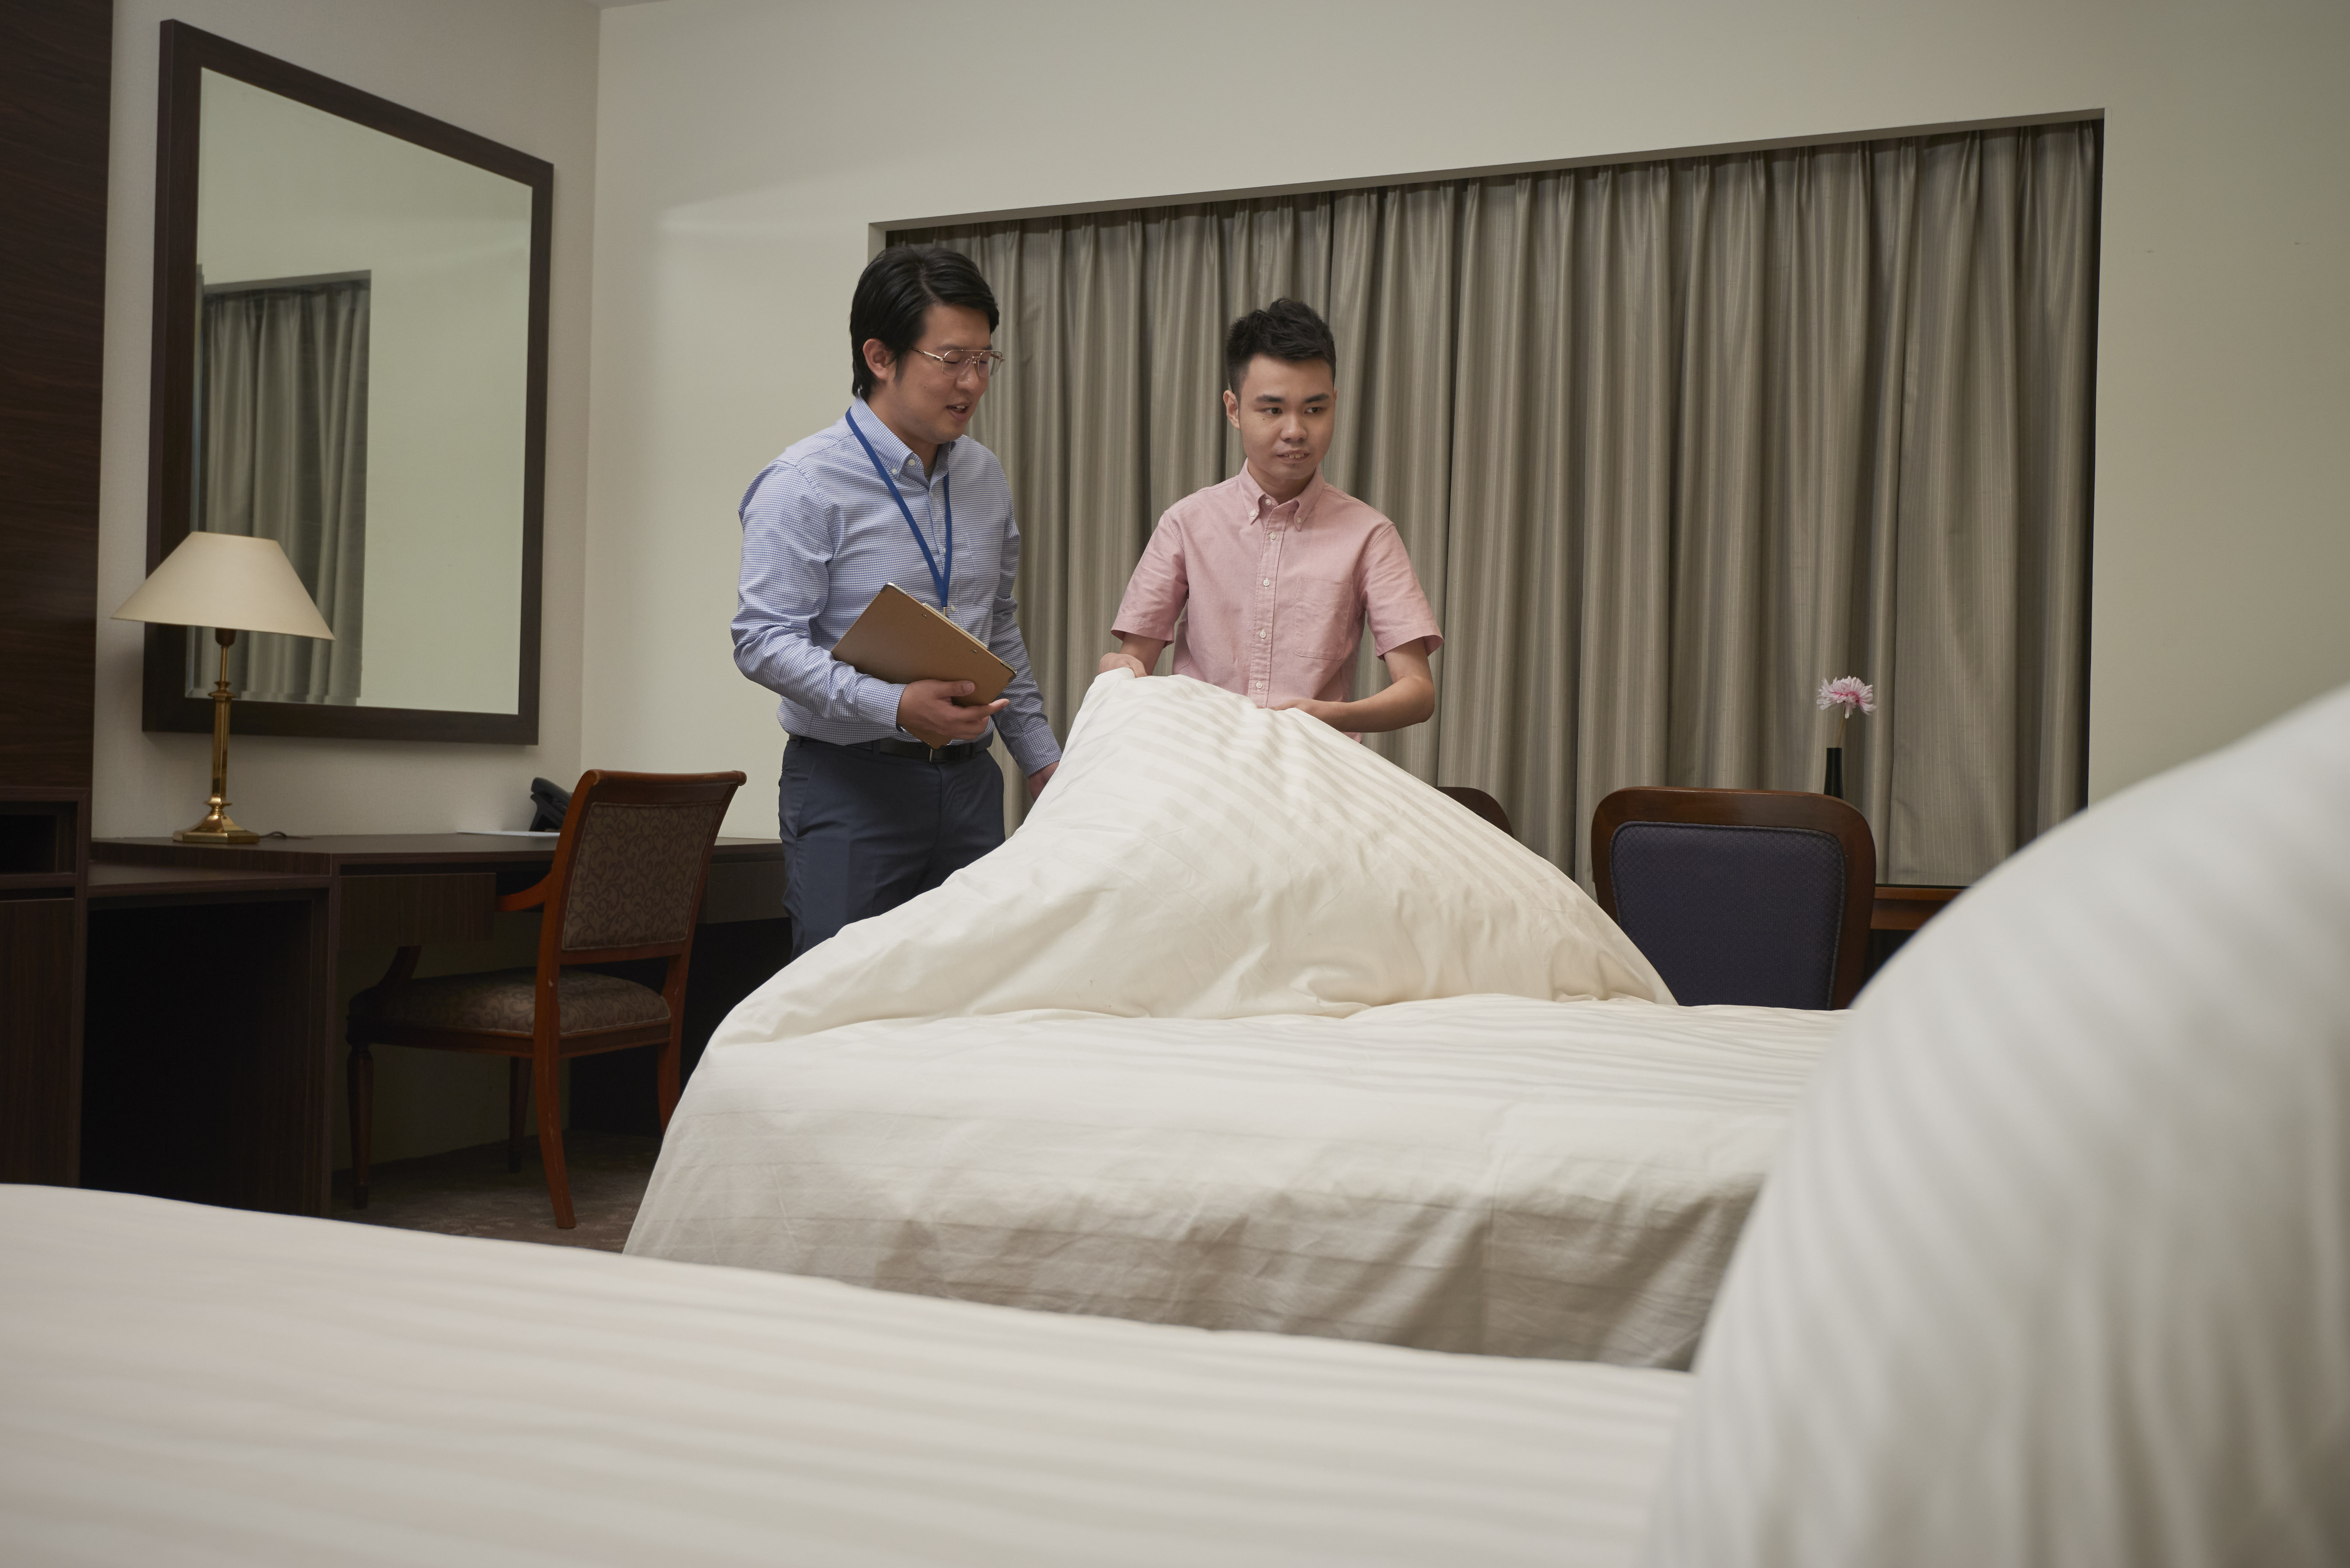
x: 1848, y: 692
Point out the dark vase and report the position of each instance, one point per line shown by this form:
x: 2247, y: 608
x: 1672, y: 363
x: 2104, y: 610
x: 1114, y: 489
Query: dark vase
x: 1835, y: 785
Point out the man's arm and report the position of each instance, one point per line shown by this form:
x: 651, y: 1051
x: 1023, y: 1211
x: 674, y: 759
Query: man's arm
x: 1155, y: 596
x: 1027, y: 735
x: 790, y: 531
x: 1410, y: 697
x: 1402, y: 623
x: 1139, y: 654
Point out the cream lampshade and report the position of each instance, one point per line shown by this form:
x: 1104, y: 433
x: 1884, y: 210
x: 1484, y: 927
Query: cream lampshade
x: 232, y: 583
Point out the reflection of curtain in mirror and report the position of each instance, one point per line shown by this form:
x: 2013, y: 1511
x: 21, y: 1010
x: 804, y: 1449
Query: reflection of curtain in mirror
x: 282, y: 453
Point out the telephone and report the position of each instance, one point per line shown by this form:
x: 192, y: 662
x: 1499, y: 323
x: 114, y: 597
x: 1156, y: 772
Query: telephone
x: 549, y: 803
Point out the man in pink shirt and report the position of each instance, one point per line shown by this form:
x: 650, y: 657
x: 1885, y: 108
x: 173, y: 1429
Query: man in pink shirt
x: 1263, y: 582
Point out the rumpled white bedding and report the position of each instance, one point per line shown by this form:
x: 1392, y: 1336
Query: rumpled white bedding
x: 1245, y: 1028
x: 1199, y: 857
x: 185, y: 1384
x: 1485, y: 1174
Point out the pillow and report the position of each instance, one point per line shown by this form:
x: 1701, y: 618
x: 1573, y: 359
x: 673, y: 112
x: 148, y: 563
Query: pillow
x: 1199, y: 857
x: 2055, y: 1264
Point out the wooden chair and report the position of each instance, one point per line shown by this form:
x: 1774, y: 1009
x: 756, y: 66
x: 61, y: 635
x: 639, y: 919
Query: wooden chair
x: 1477, y: 801
x: 1760, y: 897
x: 625, y: 884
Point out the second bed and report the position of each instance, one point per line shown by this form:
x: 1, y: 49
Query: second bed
x: 1315, y: 1050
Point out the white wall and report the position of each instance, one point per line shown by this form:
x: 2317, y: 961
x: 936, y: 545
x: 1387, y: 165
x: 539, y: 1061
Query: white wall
x: 523, y: 72
x: 743, y: 148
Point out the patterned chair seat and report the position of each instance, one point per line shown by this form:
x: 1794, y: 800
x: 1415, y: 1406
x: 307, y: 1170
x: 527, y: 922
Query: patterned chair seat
x: 500, y: 1002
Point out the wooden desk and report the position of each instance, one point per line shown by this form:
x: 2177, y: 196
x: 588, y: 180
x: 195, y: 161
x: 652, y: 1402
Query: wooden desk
x: 210, y: 1026
x: 1907, y: 908
x: 1897, y: 914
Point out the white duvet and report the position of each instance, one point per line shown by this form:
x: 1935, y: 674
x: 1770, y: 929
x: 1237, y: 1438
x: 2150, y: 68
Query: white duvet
x: 1244, y: 1029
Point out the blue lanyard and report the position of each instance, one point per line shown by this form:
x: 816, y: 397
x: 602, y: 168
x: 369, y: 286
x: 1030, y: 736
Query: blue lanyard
x: 942, y: 580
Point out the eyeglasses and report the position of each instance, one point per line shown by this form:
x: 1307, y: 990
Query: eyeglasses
x: 957, y: 360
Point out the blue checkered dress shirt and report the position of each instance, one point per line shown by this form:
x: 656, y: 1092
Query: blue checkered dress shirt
x: 821, y: 535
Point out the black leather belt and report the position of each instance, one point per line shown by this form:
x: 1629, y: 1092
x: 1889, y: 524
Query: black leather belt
x: 961, y: 752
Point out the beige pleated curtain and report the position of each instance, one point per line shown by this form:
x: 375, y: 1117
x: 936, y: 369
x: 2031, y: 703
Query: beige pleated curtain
x: 1670, y: 443
x: 281, y: 453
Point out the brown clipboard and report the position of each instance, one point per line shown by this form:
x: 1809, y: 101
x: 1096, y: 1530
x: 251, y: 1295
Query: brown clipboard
x: 899, y: 638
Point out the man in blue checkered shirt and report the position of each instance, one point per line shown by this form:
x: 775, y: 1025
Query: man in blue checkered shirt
x: 893, y: 491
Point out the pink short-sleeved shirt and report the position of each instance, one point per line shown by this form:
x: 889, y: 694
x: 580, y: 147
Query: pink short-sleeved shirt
x: 1272, y: 599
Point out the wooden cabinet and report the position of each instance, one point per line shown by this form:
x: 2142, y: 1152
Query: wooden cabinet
x: 44, y: 860
x: 56, y: 84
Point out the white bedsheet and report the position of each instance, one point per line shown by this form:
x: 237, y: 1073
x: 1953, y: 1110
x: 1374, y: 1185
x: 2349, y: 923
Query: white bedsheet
x: 1490, y: 1173
x: 183, y: 1385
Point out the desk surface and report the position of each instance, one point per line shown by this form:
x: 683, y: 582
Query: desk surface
x: 331, y: 854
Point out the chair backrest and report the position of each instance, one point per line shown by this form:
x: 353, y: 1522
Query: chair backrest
x: 1759, y: 897
x: 2054, y: 1263
x: 1477, y: 801
x: 630, y: 867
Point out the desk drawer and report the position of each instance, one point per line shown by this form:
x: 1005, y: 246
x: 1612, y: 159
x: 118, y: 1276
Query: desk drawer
x: 402, y: 911
x: 742, y: 890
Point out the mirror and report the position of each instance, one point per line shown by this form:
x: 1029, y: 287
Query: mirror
x: 350, y: 353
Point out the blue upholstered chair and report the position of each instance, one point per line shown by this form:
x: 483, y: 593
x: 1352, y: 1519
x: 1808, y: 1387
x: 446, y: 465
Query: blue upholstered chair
x: 1759, y: 896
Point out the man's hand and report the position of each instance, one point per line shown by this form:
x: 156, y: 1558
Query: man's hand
x: 930, y: 705
x: 1139, y: 654
x: 1039, y: 779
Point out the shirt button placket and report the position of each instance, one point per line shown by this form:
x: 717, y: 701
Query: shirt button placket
x: 936, y: 535
x: 1263, y: 664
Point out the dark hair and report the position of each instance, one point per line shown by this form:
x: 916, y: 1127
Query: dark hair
x: 895, y: 294
x: 1285, y: 329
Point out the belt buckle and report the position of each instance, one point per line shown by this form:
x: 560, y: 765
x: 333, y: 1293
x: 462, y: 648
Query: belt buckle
x: 939, y: 753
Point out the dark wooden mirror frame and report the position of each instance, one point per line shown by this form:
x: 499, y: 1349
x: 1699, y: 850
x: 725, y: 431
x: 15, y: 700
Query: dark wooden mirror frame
x: 171, y: 464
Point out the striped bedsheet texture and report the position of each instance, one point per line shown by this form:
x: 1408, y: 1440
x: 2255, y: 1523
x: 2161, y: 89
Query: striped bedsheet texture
x: 188, y: 1385
x: 1492, y: 1174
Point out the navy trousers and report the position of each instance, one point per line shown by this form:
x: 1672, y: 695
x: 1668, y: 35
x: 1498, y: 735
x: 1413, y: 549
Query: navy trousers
x: 863, y: 832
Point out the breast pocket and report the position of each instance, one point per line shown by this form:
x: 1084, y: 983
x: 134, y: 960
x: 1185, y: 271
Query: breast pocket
x: 1325, y: 619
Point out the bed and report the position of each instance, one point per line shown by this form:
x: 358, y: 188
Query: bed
x: 1244, y: 1029
x: 188, y: 1385
x: 2052, y: 1269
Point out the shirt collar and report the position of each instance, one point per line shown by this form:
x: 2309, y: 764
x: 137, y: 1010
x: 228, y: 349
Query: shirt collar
x: 1259, y: 502
x: 895, y: 454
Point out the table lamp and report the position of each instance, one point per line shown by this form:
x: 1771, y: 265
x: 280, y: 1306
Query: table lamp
x: 232, y: 582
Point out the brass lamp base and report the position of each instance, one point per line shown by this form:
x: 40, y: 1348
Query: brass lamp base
x: 197, y: 835
x: 216, y: 828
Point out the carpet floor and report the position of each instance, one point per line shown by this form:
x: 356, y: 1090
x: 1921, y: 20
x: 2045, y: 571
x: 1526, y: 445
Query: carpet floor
x: 469, y: 1192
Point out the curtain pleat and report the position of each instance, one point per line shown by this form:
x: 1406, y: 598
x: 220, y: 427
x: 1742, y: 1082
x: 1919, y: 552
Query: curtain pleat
x: 283, y: 456
x: 1668, y: 443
